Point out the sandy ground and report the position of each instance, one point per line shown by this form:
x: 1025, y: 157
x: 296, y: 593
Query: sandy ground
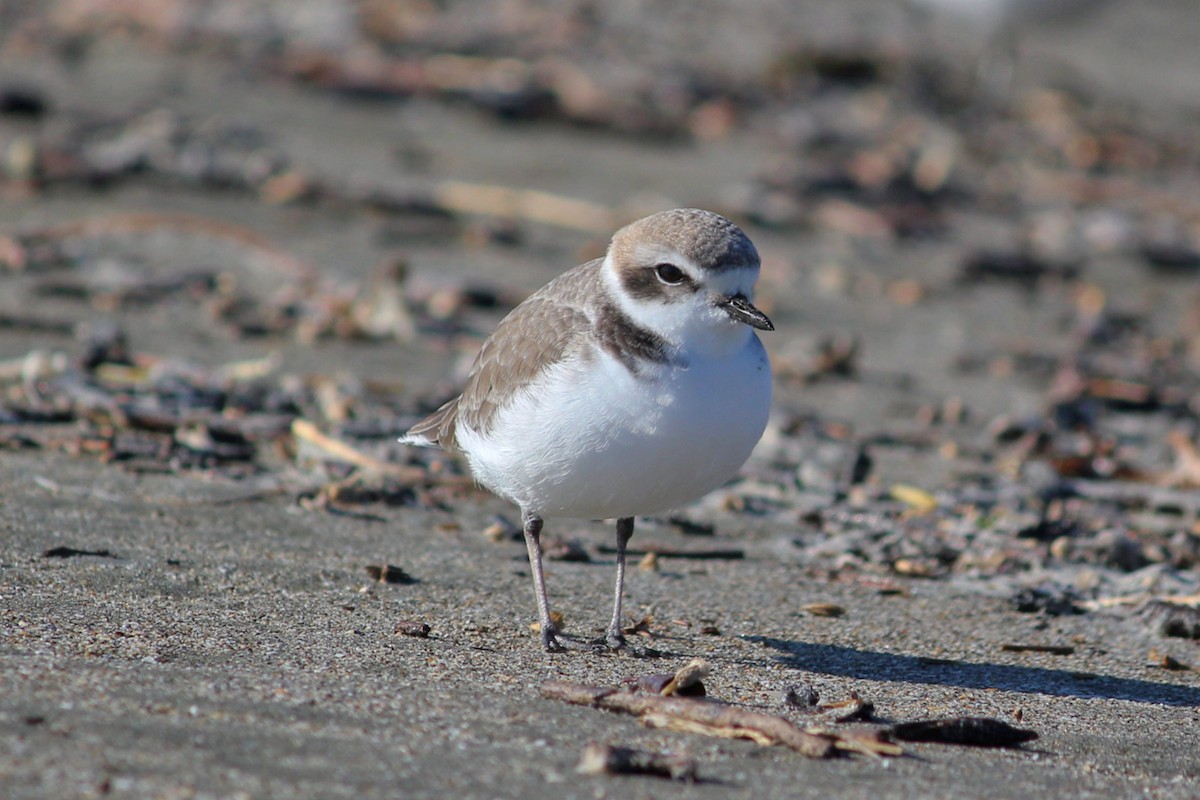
x: 230, y: 643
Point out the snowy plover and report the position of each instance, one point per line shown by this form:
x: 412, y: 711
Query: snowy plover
x: 629, y: 385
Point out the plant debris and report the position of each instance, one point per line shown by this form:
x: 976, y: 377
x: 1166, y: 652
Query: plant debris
x: 973, y: 731
x: 72, y: 552
x: 607, y: 759
x: 823, y: 609
x: 687, y: 680
x: 388, y: 573
x: 853, y: 709
x: 693, y: 716
x: 802, y: 696
x: 1058, y: 650
x: 414, y: 628
x: 1172, y: 619
x: 669, y: 551
x: 649, y: 698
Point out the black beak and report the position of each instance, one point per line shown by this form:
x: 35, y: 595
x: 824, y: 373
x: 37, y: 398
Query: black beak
x: 740, y: 309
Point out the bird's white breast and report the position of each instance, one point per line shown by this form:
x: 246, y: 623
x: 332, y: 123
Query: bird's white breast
x: 589, y: 439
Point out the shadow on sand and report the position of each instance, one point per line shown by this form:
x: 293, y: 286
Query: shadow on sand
x: 834, y: 660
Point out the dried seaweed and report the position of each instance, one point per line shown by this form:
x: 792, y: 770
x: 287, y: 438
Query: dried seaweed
x: 973, y: 731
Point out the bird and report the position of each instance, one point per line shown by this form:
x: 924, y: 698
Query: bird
x: 627, y: 386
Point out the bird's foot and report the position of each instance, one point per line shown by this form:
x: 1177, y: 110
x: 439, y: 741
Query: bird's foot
x: 555, y: 642
x: 552, y: 640
x: 615, y: 642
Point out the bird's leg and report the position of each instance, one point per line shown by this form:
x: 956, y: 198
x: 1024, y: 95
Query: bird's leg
x: 532, y: 525
x: 614, y: 638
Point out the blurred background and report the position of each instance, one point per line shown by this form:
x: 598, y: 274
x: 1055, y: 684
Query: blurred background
x: 980, y: 220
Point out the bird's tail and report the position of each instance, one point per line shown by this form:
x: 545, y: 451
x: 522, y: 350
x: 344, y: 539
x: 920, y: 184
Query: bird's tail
x: 436, y: 430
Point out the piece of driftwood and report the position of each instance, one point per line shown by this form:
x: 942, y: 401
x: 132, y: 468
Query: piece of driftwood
x: 524, y: 204
x: 338, y: 450
x: 694, y: 716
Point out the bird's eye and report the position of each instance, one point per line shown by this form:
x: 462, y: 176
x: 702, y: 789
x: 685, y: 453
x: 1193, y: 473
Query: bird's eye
x: 669, y: 273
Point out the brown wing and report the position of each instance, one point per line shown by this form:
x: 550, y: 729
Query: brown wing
x: 533, y: 336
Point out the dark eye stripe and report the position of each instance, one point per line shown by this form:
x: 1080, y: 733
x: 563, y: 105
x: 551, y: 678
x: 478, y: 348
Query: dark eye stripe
x: 643, y: 283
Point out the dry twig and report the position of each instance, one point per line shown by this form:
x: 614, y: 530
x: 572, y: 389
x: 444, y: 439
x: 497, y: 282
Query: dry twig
x: 694, y: 716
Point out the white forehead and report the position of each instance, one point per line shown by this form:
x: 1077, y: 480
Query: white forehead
x: 690, y: 238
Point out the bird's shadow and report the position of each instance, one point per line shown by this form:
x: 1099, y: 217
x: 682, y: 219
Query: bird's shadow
x: 869, y: 665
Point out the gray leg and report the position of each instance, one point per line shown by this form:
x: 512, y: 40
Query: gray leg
x: 614, y: 637
x: 532, y: 524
